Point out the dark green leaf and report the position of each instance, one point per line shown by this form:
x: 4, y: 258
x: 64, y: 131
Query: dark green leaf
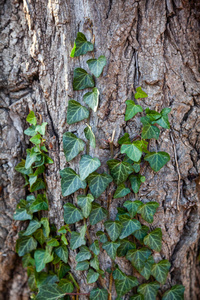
x: 129, y: 226
x: 114, y: 229
x: 140, y: 93
x: 76, y: 240
x: 136, y: 181
x: 137, y: 297
x: 98, y: 183
x: 154, y: 240
x: 96, y: 65
x: 39, y: 170
x: 81, y: 45
x: 97, y: 214
x: 40, y: 203
x: 175, y: 293
x: 42, y: 257
x: 31, y: 118
x: 132, y: 109
x: 134, y: 150
x: 82, y: 265
x: 38, y: 185
x: 125, y: 246
x: 146, y: 270
x: 21, y: 168
x: 152, y: 114
x: 50, y: 292
x: 92, y: 276
x: 27, y: 260
x: 90, y: 136
x: 149, y: 290
x: 111, y: 248
x: 121, y: 191
x: 22, y: 214
x: 102, y: 236
x: 149, y: 131
x: 63, y: 269
x: 92, y: 99
x: 99, y: 294
x: 44, y: 278
x: 72, y: 214
x: 94, y: 263
x: 82, y: 80
x: 119, y: 170
x: 141, y: 233
x: 85, y: 202
x: 125, y: 139
x: 32, y: 227
x: 62, y: 252
x: 94, y: 247
x: 72, y: 145
x: 136, y: 167
x: 160, y: 270
x: 132, y: 207
x: 157, y: 159
x: 118, y: 274
x: 125, y: 285
x: 88, y: 165
x: 70, y: 182
x: 138, y: 257
x: 148, y: 210
x: 25, y: 245
x: 39, y: 236
x: 76, y: 112
x: 66, y: 285
x: 84, y: 254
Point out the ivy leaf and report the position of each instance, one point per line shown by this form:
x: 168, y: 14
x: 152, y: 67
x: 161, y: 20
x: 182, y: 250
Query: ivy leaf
x: 72, y: 145
x: 160, y: 270
x: 31, y: 157
x: 118, y: 274
x: 39, y: 236
x: 119, y: 170
x: 114, y: 229
x: 132, y: 109
x: 90, y: 136
x: 149, y: 290
x: 111, y: 248
x: 82, y: 265
x: 125, y: 285
x: 46, y: 228
x: 148, y: 210
x: 163, y: 120
x: 63, y: 269
x: 92, y: 276
x: 157, y: 159
x: 76, y: 112
x: 137, y: 297
x: 146, y: 270
x: 83, y: 231
x: 136, y: 181
x: 62, y: 252
x: 94, y: 247
x: 138, y: 257
x: 132, y: 207
x: 41, y: 203
x: 96, y: 65
x: 98, y: 183
x: 70, y: 182
x: 175, y: 293
x: 81, y: 45
x: 82, y: 80
x: 154, y: 240
x: 31, y: 131
x: 76, y: 240
x: 72, y: 214
x: 44, y: 278
x: 32, y: 227
x: 22, y: 214
x: 27, y: 260
x: 94, y: 263
x: 88, y: 165
x: 42, y: 257
x: 149, y: 131
x: 136, y: 167
x: 121, y: 191
x: 38, y: 185
x: 25, y: 245
x: 134, y: 150
x: 98, y: 294
x: 50, y: 292
x: 152, y: 114
x: 141, y: 233
x: 66, y: 285
x: 129, y: 226
x: 84, y: 254
x: 36, y: 139
x: 102, y: 236
x: 97, y: 214
x: 125, y: 139
x: 31, y: 118
x: 92, y: 99
x: 140, y: 93
x: 52, y: 242
x: 125, y: 246
x: 41, y: 128
x: 85, y: 202
x: 20, y: 167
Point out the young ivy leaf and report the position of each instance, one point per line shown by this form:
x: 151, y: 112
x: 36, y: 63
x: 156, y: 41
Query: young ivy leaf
x: 125, y: 285
x: 175, y: 293
x: 157, y: 160
x: 160, y: 270
x: 40, y: 203
x: 85, y: 202
x: 149, y: 131
x: 136, y: 181
x: 88, y: 165
x: 62, y: 253
x: 138, y: 257
x: 154, y: 239
x: 76, y: 112
x: 125, y: 246
x: 129, y: 226
x: 32, y: 227
x: 92, y: 276
x: 114, y: 229
x: 134, y: 150
x: 96, y: 65
x: 70, y: 182
x: 98, y: 183
x: 98, y: 294
x: 92, y: 99
x: 81, y: 45
x: 132, y: 206
x: 119, y: 170
x: 50, y: 292
x: 36, y: 139
x: 72, y: 145
x: 90, y: 136
x: 97, y: 214
x: 72, y: 214
x: 148, y: 210
x: 149, y: 290
x: 25, y: 245
x: 102, y: 236
x: 82, y: 80
x: 111, y: 249
x: 140, y: 93
x: 84, y: 254
x: 20, y: 167
x: 131, y: 109
x: 163, y: 121
x: 124, y: 139
x: 152, y: 114
x: 52, y: 242
x: 31, y: 118
x: 76, y: 240
x: 121, y: 191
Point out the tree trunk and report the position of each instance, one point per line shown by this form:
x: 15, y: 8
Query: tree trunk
x: 147, y: 43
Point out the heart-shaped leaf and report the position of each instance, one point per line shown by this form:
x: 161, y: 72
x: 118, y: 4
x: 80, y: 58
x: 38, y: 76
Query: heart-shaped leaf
x: 134, y: 150
x: 132, y: 109
x: 88, y: 165
x: 136, y: 181
x: 82, y: 265
x: 140, y: 93
x: 32, y: 227
x: 42, y: 257
x: 94, y: 263
x: 163, y: 121
x: 84, y: 254
x: 154, y: 239
x: 119, y: 170
x: 98, y: 183
x: 146, y: 270
x: 82, y: 80
x: 96, y: 65
x: 25, y: 245
x: 92, y: 276
x: 39, y: 236
x: 125, y: 139
x: 62, y: 252
x: 121, y: 191
x: 70, y: 182
x: 125, y: 285
x: 157, y: 159
x: 66, y: 285
x: 81, y: 45
x: 129, y: 226
x: 132, y: 207
x: 76, y: 240
x: 72, y: 214
x: 76, y: 112
x: 97, y: 214
x: 40, y: 203
x: 114, y: 229
x: 160, y: 270
x: 92, y: 99
x: 138, y: 257
x: 94, y: 247
x: 125, y: 246
x: 50, y: 292
x: 149, y: 290
x: 148, y: 210
x: 102, y: 236
x: 141, y: 233
x: 85, y: 202
x: 98, y: 294
x: 31, y: 118
x: 152, y: 114
x: 90, y: 136
x: 72, y: 145
x: 149, y: 131
x: 22, y: 214
x: 175, y: 293
x: 111, y: 248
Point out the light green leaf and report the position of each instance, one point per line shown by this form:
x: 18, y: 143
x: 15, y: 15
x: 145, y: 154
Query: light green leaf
x: 92, y: 276
x: 31, y: 118
x: 149, y: 290
x: 125, y: 246
x: 72, y: 214
x: 66, y: 285
x: 136, y: 181
x: 88, y: 165
x: 96, y: 65
x: 125, y: 139
x: 157, y: 159
x: 125, y: 285
x: 36, y: 139
x: 119, y: 170
x: 140, y: 93
x: 81, y: 45
x: 99, y: 294
x: 97, y: 214
x: 94, y: 247
x: 132, y: 109
x: 148, y: 210
x: 63, y: 238
x: 94, y: 263
x: 41, y: 203
x: 70, y: 182
x: 98, y: 183
x: 82, y: 80
x: 84, y: 254
x: 72, y: 145
x: 82, y: 265
x: 132, y: 207
x: 129, y: 226
x: 30, y: 130
x: 85, y: 202
x: 52, y: 242
x: 146, y: 270
x: 22, y: 214
x: 163, y: 121
x: 62, y: 252
x: 175, y: 293
x: 92, y: 99
x: 76, y: 112
x: 90, y: 136
x: 46, y: 228
x: 50, y: 292
x: 138, y: 257
x: 102, y: 236
x: 42, y: 257
x: 154, y: 239
x: 39, y: 170
x: 149, y: 131
x: 141, y: 233
x: 121, y: 191
x: 160, y: 270
x: 25, y: 245
x: 32, y: 227
x: 134, y: 150
x: 76, y: 240
x: 32, y: 157
x: 111, y: 248
x: 114, y: 229
x: 41, y: 128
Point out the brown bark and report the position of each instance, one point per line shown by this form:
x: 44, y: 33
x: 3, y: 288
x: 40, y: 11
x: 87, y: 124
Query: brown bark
x: 153, y: 44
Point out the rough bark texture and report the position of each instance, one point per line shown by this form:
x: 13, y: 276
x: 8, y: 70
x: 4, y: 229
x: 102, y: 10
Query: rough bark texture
x: 148, y: 43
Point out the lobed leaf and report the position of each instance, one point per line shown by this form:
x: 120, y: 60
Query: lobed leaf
x: 140, y: 93
x: 70, y: 182
x: 132, y: 207
x: 98, y: 294
x: 62, y: 253
x: 92, y: 99
x: 76, y: 112
x: 25, y: 245
x: 149, y: 131
x: 132, y: 109
x: 148, y: 210
x: 121, y: 191
x: 85, y: 202
x: 160, y: 270
x: 82, y: 80
x: 138, y: 257
x: 111, y: 249
x: 88, y: 165
x: 175, y: 293
x: 72, y: 214
x: 114, y: 229
x: 90, y: 136
x: 125, y: 246
x: 119, y: 170
x: 76, y: 240
x: 81, y: 45
x: 96, y: 65
x: 98, y: 183
x: 129, y: 226
x: 92, y: 276
x: 72, y: 145
x: 97, y: 214
x: 154, y: 240
x: 84, y: 254
x: 149, y: 290
x: 157, y: 159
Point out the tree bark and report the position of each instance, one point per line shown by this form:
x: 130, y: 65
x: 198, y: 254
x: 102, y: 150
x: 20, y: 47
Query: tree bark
x: 147, y: 43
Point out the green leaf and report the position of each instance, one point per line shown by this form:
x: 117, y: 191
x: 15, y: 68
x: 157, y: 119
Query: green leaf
x: 138, y: 257
x: 102, y: 236
x: 81, y: 45
x: 31, y: 157
x: 121, y: 191
x: 125, y: 285
x: 44, y: 278
x: 160, y: 270
x: 98, y: 294
x: 50, y: 292
x: 82, y: 80
x: 152, y: 114
x: 136, y: 167
x: 149, y: 131
x: 31, y: 118
x: 134, y: 150
x: 96, y: 65
x: 39, y: 170
x: 63, y: 269
x: 137, y: 297
x: 157, y: 159
x: 98, y: 183
x: 97, y: 214
x: 52, y: 242
x: 41, y: 203
x: 22, y: 214
x: 30, y: 130
x: 85, y: 202
x: 129, y: 226
x: 76, y: 112
x: 39, y: 236
x: 92, y: 276
x: 132, y: 207
x: 136, y: 181
x: 38, y: 185
x: 25, y: 245
x: 88, y: 165
x: 149, y: 290
x: 72, y: 145
x: 92, y: 99
x: 125, y: 139
x: 118, y: 274
x: 94, y: 247
x: 132, y: 109
x: 163, y: 121
x: 141, y: 233
x: 62, y: 252
x: 46, y: 228
x: 125, y: 246
x: 76, y: 240
x: 140, y: 93
x: 20, y: 167
x: 154, y: 240
x: 94, y: 263
x: 72, y: 214
x: 36, y: 139
x: 146, y: 270
x: 148, y: 210
x: 111, y: 248
x: 84, y: 254
x: 119, y: 170
x: 42, y: 257
x: 66, y: 285
x: 70, y: 182
x: 41, y: 128
x: 32, y: 227
x: 90, y: 136
x: 114, y: 229
x: 27, y: 260
x: 175, y: 293
x: 82, y: 265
